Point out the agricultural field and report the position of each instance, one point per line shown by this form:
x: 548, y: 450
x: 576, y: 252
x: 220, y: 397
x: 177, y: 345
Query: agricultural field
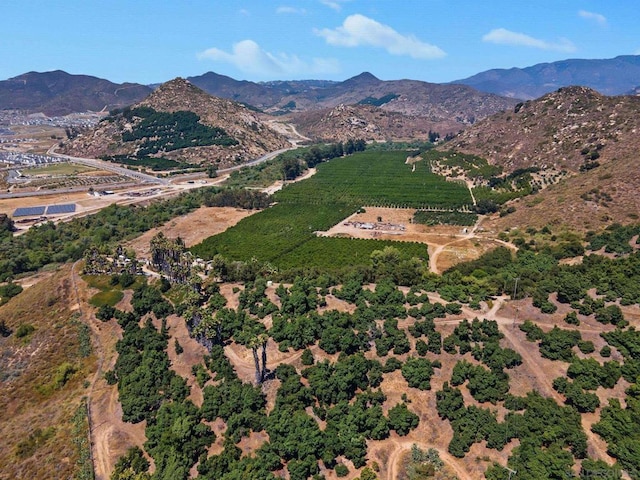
x: 61, y: 168
x: 272, y: 233
x: 378, y: 179
x: 284, y: 233
x: 337, y: 253
x: 445, y: 218
x: 154, y: 163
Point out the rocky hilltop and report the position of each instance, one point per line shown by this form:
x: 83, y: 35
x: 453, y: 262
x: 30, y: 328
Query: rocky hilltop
x: 568, y: 129
x: 592, y: 137
x: 247, y: 136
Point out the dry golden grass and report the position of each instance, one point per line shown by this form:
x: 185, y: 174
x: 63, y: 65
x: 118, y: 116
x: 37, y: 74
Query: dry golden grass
x: 30, y: 399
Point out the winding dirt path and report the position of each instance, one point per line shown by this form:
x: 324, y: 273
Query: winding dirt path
x: 401, y: 447
x: 110, y: 436
x: 597, y: 446
x: 434, y: 253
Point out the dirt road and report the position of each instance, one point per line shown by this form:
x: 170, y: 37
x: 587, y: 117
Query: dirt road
x: 401, y: 447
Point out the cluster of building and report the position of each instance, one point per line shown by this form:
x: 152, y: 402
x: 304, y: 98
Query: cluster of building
x: 15, y: 117
x: 28, y: 159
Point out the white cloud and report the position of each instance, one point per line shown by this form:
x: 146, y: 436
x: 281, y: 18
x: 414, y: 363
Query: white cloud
x: 248, y: 57
x: 596, y: 17
x: 358, y: 30
x: 290, y: 10
x: 502, y: 36
x: 334, y: 4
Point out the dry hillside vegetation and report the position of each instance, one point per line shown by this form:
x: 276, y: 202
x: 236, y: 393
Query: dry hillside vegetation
x: 253, y: 137
x: 368, y: 122
x: 437, y: 102
x: 564, y: 129
x: 592, y: 137
x: 41, y: 383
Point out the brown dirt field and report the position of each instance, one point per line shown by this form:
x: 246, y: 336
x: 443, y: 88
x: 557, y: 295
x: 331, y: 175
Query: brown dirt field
x: 397, y: 461
x: 193, y: 227
x: 463, y: 250
x: 448, y: 245
x: 400, y: 216
x: 192, y: 355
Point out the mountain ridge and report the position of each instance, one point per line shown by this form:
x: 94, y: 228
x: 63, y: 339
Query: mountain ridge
x: 59, y: 93
x: 613, y: 76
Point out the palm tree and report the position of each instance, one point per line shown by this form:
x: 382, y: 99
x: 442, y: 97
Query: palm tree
x: 254, y: 343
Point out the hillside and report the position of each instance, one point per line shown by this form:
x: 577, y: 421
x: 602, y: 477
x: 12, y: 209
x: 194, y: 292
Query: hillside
x: 437, y: 102
x: 614, y: 76
x: 46, y: 358
x: 591, y: 136
x: 260, y: 95
x: 60, y: 93
x: 367, y: 122
x: 232, y: 133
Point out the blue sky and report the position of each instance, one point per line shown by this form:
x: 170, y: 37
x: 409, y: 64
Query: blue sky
x: 432, y: 40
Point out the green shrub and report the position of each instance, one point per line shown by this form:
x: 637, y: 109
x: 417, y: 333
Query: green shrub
x: 341, y: 470
x: 24, y: 329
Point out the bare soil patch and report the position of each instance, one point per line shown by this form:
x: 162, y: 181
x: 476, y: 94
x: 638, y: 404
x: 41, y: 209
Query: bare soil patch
x: 193, y: 227
x: 192, y: 354
x: 463, y: 250
x: 413, y: 232
x: 448, y: 245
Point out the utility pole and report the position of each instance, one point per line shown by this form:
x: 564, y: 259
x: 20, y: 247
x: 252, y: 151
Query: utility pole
x: 511, y: 472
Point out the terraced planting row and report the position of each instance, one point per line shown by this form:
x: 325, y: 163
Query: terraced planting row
x: 377, y: 179
x: 284, y: 233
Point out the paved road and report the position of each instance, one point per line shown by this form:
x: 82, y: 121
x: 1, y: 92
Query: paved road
x: 102, y: 165
x: 138, y: 176
x: 57, y: 191
x: 258, y: 160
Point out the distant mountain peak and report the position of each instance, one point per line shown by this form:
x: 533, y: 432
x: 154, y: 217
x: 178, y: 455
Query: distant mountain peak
x: 364, y: 77
x: 60, y: 93
x: 615, y: 76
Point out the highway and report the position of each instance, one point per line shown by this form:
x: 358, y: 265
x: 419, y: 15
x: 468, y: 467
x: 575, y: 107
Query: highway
x: 262, y: 159
x: 139, y: 177
x: 103, y: 165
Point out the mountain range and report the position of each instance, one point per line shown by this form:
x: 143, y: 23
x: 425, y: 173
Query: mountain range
x: 463, y: 101
x: 59, y: 93
x: 615, y: 76
x: 591, y: 138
